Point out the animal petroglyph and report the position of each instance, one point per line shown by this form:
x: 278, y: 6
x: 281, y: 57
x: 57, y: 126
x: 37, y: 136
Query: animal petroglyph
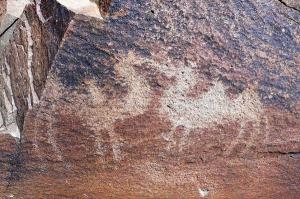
x: 237, y: 140
x: 259, y: 129
x: 267, y: 130
x: 53, y: 143
x: 184, y: 111
x: 119, y: 108
x: 211, y: 108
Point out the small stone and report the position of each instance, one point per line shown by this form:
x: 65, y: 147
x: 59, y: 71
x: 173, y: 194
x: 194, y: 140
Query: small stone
x: 203, y: 192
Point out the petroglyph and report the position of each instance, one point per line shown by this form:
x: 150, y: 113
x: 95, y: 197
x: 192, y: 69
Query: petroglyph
x: 52, y: 140
x: 211, y: 108
x: 267, y: 130
x: 35, y: 142
x: 259, y: 130
x: 237, y: 140
x: 48, y: 129
x: 134, y: 103
x: 169, y: 138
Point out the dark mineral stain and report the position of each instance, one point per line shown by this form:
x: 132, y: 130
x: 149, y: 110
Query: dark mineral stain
x: 238, y: 39
x: 103, y: 5
x: 88, y: 53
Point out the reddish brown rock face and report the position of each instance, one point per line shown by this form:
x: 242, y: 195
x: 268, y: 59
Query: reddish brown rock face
x: 181, y: 99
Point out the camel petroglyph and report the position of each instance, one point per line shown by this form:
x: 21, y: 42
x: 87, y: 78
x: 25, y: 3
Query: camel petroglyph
x: 211, y: 108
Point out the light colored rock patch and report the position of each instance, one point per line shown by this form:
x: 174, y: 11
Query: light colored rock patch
x: 203, y: 192
x: 211, y: 108
x: 32, y: 96
x: 108, y: 111
x: 8, y: 89
x: 85, y: 7
x: 13, y: 12
x: 39, y: 12
x: 12, y: 129
x: 16, y: 7
x: 8, y: 123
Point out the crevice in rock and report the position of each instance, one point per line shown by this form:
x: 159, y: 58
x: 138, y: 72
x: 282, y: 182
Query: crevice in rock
x: 294, y: 154
x: 7, y: 28
x: 291, y: 19
x: 289, y: 6
x: 27, y: 59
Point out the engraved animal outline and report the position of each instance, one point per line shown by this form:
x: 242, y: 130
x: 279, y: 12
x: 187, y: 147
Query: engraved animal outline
x: 134, y: 103
x: 245, y: 108
x: 260, y: 130
x: 212, y: 107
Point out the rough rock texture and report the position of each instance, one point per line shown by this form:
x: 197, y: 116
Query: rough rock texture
x: 27, y: 59
x: 85, y: 7
x: 161, y: 99
x: 293, y: 4
x: 2, y: 9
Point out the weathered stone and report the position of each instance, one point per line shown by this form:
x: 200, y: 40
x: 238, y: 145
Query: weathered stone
x: 161, y: 99
x: 2, y: 10
x: 85, y: 7
x: 27, y: 59
x: 293, y: 4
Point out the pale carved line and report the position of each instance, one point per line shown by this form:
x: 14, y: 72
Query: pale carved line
x: 237, y: 140
x: 254, y: 133
x: 267, y: 130
x: 52, y: 141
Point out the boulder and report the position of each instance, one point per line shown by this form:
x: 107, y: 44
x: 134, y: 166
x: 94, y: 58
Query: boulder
x: 156, y: 99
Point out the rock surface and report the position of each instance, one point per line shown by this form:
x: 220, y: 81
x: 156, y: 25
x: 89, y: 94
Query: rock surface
x: 159, y: 99
x: 2, y: 10
x: 85, y: 7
